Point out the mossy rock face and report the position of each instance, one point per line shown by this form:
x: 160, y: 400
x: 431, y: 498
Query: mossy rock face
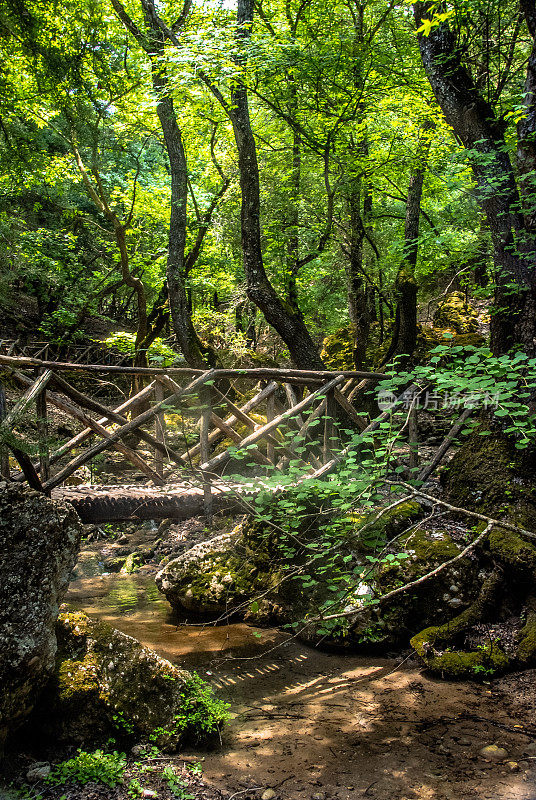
x: 221, y: 575
x: 338, y: 349
x: 39, y: 541
x: 241, y: 573
x: 393, y: 623
x: 526, y: 648
x: 443, y: 648
x: 107, y: 684
x: 489, y: 475
x: 456, y: 315
x: 513, y: 552
x: 488, y: 662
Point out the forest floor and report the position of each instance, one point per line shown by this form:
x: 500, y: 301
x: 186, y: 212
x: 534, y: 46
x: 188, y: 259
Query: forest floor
x: 310, y: 725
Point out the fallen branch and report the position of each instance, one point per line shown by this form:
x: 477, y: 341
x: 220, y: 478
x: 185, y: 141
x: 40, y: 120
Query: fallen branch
x: 445, y: 445
x: 418, y: 581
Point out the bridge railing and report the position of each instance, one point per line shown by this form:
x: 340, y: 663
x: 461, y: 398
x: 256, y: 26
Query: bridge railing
x: 176, y: 422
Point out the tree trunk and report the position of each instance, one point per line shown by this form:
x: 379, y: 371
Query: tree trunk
x: 406, y: 284
x: 358, y: 308
x: 287, y: 321
x: 481, y: 130
x: 194, y: 352
x: 153, y: 41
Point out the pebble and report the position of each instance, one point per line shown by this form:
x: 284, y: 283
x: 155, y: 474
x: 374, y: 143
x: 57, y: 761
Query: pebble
x: 149, y: 793
x: 268, y: 794
x: 318, y: 796
x: 493, y: 753
x: 38, y: 772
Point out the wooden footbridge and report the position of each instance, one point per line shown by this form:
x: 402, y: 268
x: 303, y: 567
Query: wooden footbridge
x: 180, y: 433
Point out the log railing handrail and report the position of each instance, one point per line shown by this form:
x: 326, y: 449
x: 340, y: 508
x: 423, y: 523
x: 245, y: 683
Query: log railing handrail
x: 286, y: 433
x: 269, y: 373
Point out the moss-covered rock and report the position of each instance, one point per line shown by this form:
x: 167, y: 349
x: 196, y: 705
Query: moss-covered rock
x: 242, y: 573
x: 456, y: 315
x: 526, y: 648
x: 338, y: 349
x: 107, y: 684
x: 441, y: 647
x: 488, y: 474
x: 39, y: 541
x: 489, y: 661
x: 414, y: 555
x: 514, y: 552
x: 222, y: 575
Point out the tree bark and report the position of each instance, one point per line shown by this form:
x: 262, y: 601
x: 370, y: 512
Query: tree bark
x: 481, y: 130
x: 152, y: 42
x: 287, y: 320
x: 406, y: 284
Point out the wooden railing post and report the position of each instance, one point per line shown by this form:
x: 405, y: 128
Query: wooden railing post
x: 329, y: 427
x: 413, y: 435
x: 42, y: 433
x: 159, y: 431
x: 4, y: 455
x: 270, y: 415
x: 206, y: 413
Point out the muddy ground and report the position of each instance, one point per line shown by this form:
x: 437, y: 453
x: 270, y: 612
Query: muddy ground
x: 306, y: 725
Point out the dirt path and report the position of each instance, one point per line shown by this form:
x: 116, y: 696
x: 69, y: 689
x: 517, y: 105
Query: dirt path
x: 314, y: 725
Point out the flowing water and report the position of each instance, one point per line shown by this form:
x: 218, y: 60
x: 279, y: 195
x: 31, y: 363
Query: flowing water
x: 317, y: 726
x: 133, y: 604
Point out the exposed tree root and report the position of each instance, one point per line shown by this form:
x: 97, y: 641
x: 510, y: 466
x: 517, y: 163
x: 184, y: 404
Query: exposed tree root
x: 433, y: 645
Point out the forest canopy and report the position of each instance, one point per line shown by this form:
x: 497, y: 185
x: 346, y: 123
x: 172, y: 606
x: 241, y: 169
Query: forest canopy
x: 258, y: 177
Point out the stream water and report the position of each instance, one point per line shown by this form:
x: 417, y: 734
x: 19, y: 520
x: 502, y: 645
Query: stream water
x: 313, y: 725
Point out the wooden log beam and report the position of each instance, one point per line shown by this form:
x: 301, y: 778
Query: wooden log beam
x: 129, y: 427
x: 28, y: 469
x: 81, y: 437
x: 261, y: 432
x: 93, y: 405
x: 349, y: 409
x: 97, y: 504
x: 34, y: 389
x: 78, y: 414
x: 374, y: 425
x: 252, y: 425
x: 249, y: 406
x: 230, y: 433
x: 42, y: 431
x: 282, y: 375
x: 445, y: 445
x: 204, y: 430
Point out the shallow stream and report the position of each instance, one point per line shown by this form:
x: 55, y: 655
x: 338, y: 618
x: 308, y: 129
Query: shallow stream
x: 313, y: 725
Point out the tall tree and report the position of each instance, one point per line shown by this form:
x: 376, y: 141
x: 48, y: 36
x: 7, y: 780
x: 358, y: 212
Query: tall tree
x: 287, y: 320
x: 153, y: 41
x: 505, y: 193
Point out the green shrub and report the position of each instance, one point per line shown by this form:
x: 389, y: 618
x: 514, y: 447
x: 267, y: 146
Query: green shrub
x: 98, y: 767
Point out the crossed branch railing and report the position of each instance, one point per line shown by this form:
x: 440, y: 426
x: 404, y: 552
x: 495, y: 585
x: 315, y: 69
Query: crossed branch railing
x: 292, y: 403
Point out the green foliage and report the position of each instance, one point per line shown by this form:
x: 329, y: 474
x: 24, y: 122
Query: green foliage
x: 177, y: 785
x: 98, y: 767
x: 202, y: 714
x: 476, y: 378
x: 135, y: 789
x: 159, y: 353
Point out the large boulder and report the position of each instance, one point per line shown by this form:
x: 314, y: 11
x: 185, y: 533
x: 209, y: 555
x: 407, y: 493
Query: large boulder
x: 224, y: 573
x: 39, y: 541
x: 247, y: 573
x: 455, y: 314
x: 107, y: 684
